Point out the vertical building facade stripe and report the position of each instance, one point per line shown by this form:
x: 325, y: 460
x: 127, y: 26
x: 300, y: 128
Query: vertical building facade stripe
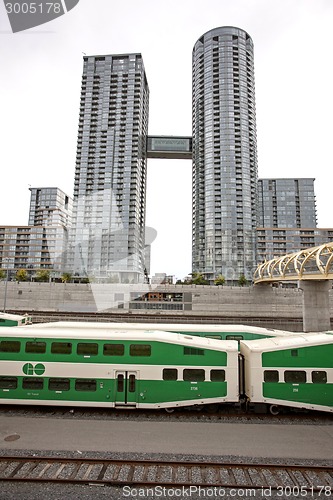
x: 108, y: 234
x: 224, y: 155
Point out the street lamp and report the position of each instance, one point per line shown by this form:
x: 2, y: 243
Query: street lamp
x: 6, y: 283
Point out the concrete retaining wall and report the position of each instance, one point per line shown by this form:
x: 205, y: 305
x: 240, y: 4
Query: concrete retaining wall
x: 259, y: 305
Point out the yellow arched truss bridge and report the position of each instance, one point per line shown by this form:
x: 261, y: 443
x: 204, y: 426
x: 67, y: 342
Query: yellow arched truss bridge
x: 314, y: 263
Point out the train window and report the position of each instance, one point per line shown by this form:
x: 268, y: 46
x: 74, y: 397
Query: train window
x: 85, y: 384
x: 170, y: 374
x: 271, y: 376
x: 61, y: 348
x: 217, y: 375
x: 35, y: 347
x: 193, y: 351
x: 10, y: 346
x: 140, y: 350
x: 8, y: 382
x: 120, y: 383
x: 294, y: 353
x: 59, y: 384
x: 295, y: 376
x: 235, y: 337
x: 113, y: 349
x: 319, y: 377
x: 216, y: 337
x: 87, y: 349
x: 32, y: 383
x: 194, y: 375
x: 131, y: 383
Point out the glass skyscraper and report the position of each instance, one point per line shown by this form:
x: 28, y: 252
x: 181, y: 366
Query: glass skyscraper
x: 287, y: 203
x: 224, y: 155
x: 108, y: 236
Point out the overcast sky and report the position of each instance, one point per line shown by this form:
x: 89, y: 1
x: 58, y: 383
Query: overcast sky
x: 40, y: 91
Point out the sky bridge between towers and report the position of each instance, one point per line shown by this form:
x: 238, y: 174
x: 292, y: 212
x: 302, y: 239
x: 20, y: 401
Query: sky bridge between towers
x: 169, y: 147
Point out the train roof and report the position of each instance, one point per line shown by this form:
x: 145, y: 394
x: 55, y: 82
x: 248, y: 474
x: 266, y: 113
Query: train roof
x: 292, y: 342
x: 120, y: 334
x: 13, y: 317
x: 181, y: 327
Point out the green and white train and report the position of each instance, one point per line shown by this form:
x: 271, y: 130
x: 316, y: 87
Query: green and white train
x: 14, y: 319
x: 153, y: 369
x: 218, y: 332
x: 295, y: 371
x: 135, y: 369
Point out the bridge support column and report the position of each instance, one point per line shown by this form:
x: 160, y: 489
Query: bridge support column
x: 316, y: 309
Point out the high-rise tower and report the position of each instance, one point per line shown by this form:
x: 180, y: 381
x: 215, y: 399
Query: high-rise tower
x: 287, y: 203
x: 224, y: 155
x: 50, y: 206
x: 110, y: 177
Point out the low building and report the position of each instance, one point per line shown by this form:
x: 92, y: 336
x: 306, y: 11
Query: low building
x: 33, y: 248
x: 277, y: 241
x: 42, y: 244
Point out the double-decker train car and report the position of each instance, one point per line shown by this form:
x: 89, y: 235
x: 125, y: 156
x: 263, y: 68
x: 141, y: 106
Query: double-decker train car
x: 218, y: 332
x: 153, y: 369
x: 14, y: 319
x: 295, y: 371
x: 135, y: 369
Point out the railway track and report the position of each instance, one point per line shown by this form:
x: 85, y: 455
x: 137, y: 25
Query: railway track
x: 180, y: 415
x: 152, y: 473
x: 118, y: 317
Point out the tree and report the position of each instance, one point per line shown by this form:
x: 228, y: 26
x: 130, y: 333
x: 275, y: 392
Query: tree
x: 21, y: 275
x: 198, y: 279
x: 66, y: 277
x: 242, y: 280
x: 220, y: 280
x: 2, y: 274
x: 43, y: 275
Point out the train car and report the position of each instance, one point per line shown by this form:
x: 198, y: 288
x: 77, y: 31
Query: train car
x: 14, y: 319
x: 132, y: 369
x: 218, y: 332
x: 295, y: 371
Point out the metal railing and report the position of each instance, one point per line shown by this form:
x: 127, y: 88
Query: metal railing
x: 314, y: 263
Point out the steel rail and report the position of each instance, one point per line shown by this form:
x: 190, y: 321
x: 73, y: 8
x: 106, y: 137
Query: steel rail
x: 150, y: 473
x: 49, y: 316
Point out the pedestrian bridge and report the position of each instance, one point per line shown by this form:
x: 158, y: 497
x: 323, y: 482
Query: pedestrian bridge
x: 313, y: 269
x: 314, y: 263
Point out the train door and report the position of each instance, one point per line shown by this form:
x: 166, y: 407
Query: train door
x: 126, y: 383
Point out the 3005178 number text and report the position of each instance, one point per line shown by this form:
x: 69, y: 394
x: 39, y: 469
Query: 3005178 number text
x: 33, y: 8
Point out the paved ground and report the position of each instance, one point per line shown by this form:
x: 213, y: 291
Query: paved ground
x: 236, y: 439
